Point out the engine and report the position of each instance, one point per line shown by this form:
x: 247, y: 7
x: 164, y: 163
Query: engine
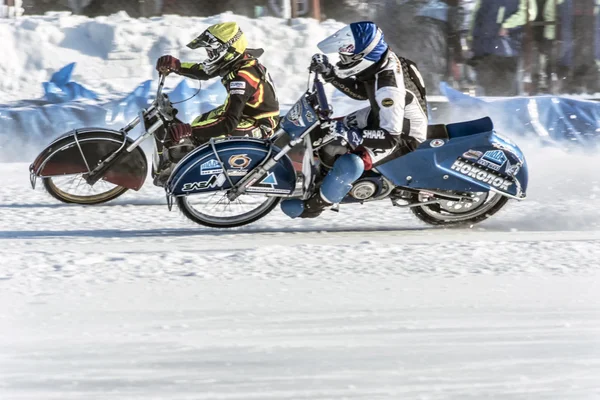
x: 328, y: 153
x: 364, y: 189
x: 371, y: 185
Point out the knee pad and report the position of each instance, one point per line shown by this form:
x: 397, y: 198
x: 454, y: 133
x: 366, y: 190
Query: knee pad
x: 338, y: 181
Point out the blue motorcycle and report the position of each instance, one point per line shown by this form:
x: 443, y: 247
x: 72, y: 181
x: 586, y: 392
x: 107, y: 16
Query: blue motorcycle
x: 462, y: 174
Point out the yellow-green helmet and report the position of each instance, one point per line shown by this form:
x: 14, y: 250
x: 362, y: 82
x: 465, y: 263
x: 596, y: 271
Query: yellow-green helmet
x: 224, y: 43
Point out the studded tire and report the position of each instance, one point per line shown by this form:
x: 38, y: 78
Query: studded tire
x: 428, y: 213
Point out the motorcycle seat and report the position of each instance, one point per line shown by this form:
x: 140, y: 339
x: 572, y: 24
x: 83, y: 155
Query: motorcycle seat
x: 437, y: 131
x: 467, y: 128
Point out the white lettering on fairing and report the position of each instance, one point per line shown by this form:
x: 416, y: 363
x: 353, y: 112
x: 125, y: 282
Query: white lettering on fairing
x: 481, y: 175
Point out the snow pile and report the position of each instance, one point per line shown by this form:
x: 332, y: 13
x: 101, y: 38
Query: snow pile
x: 114, y: 77
x: 114, y: 54
x: 107, y: 64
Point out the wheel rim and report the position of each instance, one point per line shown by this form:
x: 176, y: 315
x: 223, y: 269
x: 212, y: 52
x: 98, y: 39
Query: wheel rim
x: 449, y: 210
x: 74, y: 188
x: 216, y: 208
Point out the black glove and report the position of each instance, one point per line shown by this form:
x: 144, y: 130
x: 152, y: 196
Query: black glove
x: 320, y: 64
x: 180, y: 131
x: 166, y: 64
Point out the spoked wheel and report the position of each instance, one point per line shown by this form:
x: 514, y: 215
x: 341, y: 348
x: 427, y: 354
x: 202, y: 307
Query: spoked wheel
x: 477, y: 208
x: 74, y: 189
x: 217, y: 211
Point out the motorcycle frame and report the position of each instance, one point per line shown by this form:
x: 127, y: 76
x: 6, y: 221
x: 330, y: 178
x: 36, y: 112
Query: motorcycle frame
x: 160, y: 108
x: 164, y: 111
x: 324, y: 112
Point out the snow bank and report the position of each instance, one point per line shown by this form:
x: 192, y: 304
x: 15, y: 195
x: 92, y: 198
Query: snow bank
x: 551, y: 118
x: 115, y: 53
x: 114, y: 76
x: 114, y: 72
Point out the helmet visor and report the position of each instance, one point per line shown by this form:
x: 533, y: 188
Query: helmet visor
x: 206, y: 39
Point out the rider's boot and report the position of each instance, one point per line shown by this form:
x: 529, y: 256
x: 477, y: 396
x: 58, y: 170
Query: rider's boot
x: 163, y: 172
x: 166, y: 165
x: 311, y: 208
x: 334, y: 188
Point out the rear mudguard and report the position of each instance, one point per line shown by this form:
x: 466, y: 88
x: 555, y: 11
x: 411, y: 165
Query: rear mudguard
x: 200, y: 170
x: 475, y: 163
x: 80, y: 149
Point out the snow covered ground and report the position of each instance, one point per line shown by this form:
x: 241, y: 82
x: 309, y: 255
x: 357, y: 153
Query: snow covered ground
x: 129, y: 301
x: 345, y: 337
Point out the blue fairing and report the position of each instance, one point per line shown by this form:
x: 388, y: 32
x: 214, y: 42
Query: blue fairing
x: 299, y: 118
x: 473, y: 163
x: 200, y: 172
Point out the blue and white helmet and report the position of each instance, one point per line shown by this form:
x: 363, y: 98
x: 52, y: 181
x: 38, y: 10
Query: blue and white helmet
x: 359, y: 46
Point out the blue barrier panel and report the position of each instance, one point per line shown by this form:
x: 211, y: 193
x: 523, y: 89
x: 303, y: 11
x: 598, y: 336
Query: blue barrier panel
x: 553, y: 118
x: 67, y: 105
x: 125, y: 109
x: 60, y: 89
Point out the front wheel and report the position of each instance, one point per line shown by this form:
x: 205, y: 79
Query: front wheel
x: 215, y: 210
x: 75, y: 189
x: 479, y: 207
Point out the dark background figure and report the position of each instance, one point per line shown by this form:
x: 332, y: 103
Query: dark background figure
x: 426, y: 32
x: 348, y: 10
x: 206, y: 8
x: 572, y: 43
x: 543, y: 36
x: 496, y: 43
x: 95, y: 8
x: 583, y: 76
x: 439, y: 24
x: 552, y: 37
x: 559, y: 51
x: 44, y: 6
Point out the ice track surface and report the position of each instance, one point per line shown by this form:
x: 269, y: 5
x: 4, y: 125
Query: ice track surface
x: 129, y: 301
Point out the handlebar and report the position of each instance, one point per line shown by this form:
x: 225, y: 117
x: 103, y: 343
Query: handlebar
x: 163, y: 104
x: 161, y: 84
x: 324, y: 110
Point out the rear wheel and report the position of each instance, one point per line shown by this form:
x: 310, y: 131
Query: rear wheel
x: 478, y: 207
x: 74, y: 189
x: 217, y: 211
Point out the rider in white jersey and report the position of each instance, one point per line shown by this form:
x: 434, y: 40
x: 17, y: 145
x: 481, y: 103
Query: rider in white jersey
x: 392, y: 125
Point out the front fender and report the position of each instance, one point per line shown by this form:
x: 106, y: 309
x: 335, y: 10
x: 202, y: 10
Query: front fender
x: 199, y: 171
x: 64, y: 157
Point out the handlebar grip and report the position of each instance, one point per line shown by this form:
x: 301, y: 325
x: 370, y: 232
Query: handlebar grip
x: 321, y: 97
